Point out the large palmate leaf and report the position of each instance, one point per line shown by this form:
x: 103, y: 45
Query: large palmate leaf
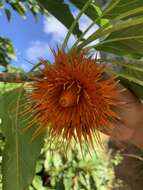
x: 127, y: 41
x: 20, y: 152
x: 124, y: 37
x: 61, y: 11
x: 124, y: 41
x: 115, y: 10
x: 123, y: 9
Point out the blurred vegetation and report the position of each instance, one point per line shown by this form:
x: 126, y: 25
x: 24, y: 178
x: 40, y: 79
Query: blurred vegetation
x: 56, y: 170
x: 72, y: 170
x: 7, y: 52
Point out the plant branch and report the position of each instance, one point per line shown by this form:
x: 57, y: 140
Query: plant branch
x: 16, y: 77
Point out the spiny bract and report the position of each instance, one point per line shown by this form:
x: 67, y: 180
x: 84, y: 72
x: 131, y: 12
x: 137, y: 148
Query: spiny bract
x: 74, y: 99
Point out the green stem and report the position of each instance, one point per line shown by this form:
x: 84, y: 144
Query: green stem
x: 15, y: 77
x: 74, y: 24
x: 111, y: 6
x: 101, y: 32
x: 82, y: 35
x: 115, y: 40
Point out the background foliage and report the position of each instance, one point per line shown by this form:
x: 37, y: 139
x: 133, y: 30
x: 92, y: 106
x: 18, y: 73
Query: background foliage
x: 55, y: 170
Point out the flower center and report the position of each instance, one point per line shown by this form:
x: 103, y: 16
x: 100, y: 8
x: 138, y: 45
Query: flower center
x: 69, y: 96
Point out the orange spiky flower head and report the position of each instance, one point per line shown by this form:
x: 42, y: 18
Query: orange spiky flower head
x: 73, y: 99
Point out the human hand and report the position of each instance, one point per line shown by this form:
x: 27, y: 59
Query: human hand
x: 130, y: 127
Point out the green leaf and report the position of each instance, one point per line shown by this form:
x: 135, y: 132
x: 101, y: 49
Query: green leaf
x: 60, y: 184
x: 7, y: 52
x: 23, y: 6
x: 71, y: 29
x: 37, y: 183
x: 134, y: 86
x: 20, y: 152
x: 8, y: 14
x: 61, y: 11
x: 35, y: 10
x: 93, y: 11
x: 1, y: 4
x: 124, y: 38
x: 127, y: 41
x: 130, y: 75
x: 68, y: 183
x: 123, y: 9
x: 19, y: 7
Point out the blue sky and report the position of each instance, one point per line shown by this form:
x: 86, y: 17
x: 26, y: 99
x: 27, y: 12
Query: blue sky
x: 32, y: 38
